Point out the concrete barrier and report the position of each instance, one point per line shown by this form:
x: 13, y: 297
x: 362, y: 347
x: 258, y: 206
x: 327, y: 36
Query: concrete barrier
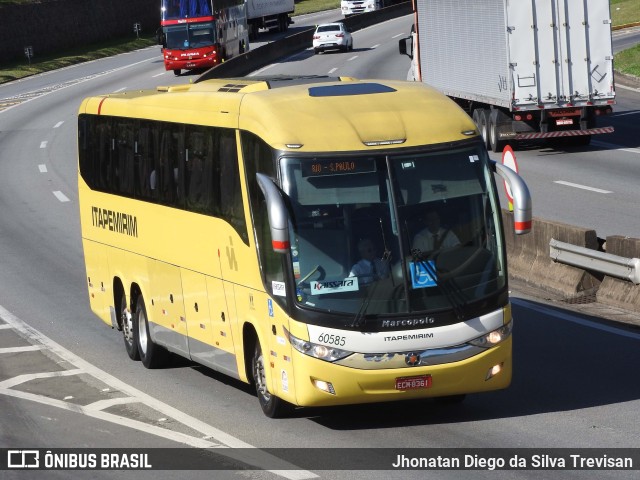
x: 528, y: 257
x: 253, y: 60
x: 613, y: 291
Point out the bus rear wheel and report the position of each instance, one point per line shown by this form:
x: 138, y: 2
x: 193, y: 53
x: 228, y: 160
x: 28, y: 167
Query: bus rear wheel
x: 151, y: 354
x: 130, y: 344
x: 272, y: 406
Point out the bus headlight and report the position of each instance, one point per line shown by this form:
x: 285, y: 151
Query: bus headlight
x: 493, y: 338
x: 323, y: 352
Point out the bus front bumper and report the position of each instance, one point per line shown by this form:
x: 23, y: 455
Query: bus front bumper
x: 320, y: 383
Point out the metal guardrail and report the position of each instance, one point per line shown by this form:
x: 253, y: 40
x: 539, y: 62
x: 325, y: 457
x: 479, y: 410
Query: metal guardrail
x: 588, y: 259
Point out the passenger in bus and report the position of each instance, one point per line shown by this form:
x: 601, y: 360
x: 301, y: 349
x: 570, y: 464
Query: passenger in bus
x: 369, y: 268
x: 434, y: 236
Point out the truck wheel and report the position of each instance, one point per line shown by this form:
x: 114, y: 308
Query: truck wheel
x: 176, y: 72
x: 484, y: 126
x: 151, y: 354
x: 272, y: 406
x: 495, y: 143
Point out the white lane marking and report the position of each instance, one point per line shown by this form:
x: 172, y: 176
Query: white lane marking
x: 30, y: 348
x: 27, y: 377
x: 580, y: 321
x: 258, y: 72
x: 157, y: 75
x: 43, y: 168
x: 375, y: 46
x: 222, y: 439
x: 58, y: 124
x: 352, y: 58
x: 625, y: 113
x: 332, y: 70
x: 43, y: 144
x: 613, y: 146
x: 583, y: 187
x: 624, y: 87
x: 120, y: 90
x: 82, y: 80
x: 61, y: 196
x: 399, y: 35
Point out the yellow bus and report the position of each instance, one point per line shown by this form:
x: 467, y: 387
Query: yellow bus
x: 268, y: 228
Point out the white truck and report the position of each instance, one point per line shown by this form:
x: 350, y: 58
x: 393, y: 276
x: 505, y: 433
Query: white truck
x: 268, y: 14
x: 522, y: 70
x: 354, y: 7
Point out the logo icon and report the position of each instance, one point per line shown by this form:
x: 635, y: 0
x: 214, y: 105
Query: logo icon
x: 412, y: 359
x: 23, y: 459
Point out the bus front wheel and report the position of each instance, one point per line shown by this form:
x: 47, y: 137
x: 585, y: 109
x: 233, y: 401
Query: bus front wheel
x: 152, y: 355
x: 272, y: 406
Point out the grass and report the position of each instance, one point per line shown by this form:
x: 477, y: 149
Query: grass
x: 16, y: 70
x: 311, y: 6
x: 622, y: 12
x: 628, y: 61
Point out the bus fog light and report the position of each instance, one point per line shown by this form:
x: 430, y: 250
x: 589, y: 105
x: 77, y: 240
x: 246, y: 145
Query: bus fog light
x: 493, y: 371
x: 324, y: 386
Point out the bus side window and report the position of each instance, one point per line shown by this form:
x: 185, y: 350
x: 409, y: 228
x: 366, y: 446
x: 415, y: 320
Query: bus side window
x: 144, y: 163
x: 232, y: 209
x: 103, y: 154
x: 124, y: 158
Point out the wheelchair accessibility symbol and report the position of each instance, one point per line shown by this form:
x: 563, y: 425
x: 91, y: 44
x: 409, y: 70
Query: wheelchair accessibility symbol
x: 421, y: 274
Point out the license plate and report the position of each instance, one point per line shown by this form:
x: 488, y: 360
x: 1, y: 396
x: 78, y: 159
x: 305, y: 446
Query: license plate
x: 561, y: 121
x: 413, y: 383
x: 191, y: 65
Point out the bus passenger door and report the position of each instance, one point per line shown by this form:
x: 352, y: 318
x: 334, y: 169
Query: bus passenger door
x: 169, y: 326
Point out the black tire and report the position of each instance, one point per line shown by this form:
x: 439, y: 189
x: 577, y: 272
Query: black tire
x: 272, y: 406
x: 495, y: 144
x: 128, y: 330
x: 484, y: 127
x: 151, y: 354
x: 176, y: 72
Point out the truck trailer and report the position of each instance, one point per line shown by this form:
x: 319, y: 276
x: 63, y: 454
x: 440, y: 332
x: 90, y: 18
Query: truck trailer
x: 522, y: 70
x: 269, y: 15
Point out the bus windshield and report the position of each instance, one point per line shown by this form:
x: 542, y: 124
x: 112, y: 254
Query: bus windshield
x: 394, y: 234
x: 190, y: 35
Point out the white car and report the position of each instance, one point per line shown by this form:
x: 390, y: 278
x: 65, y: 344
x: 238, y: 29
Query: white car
x: 332, y: 36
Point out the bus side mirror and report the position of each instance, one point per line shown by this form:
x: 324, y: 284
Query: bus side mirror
x: 277, y: 213
x: 522, y: 209
x: 405, y: 46
x: 160, y: 38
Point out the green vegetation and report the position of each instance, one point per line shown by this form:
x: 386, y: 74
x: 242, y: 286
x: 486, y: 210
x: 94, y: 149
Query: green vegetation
x: 22, y: 68
x: 310, y: 6
x: 622, y: 12
x: 628, y: 61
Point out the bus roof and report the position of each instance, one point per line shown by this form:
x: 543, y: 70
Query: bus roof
x: 303, y: 113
